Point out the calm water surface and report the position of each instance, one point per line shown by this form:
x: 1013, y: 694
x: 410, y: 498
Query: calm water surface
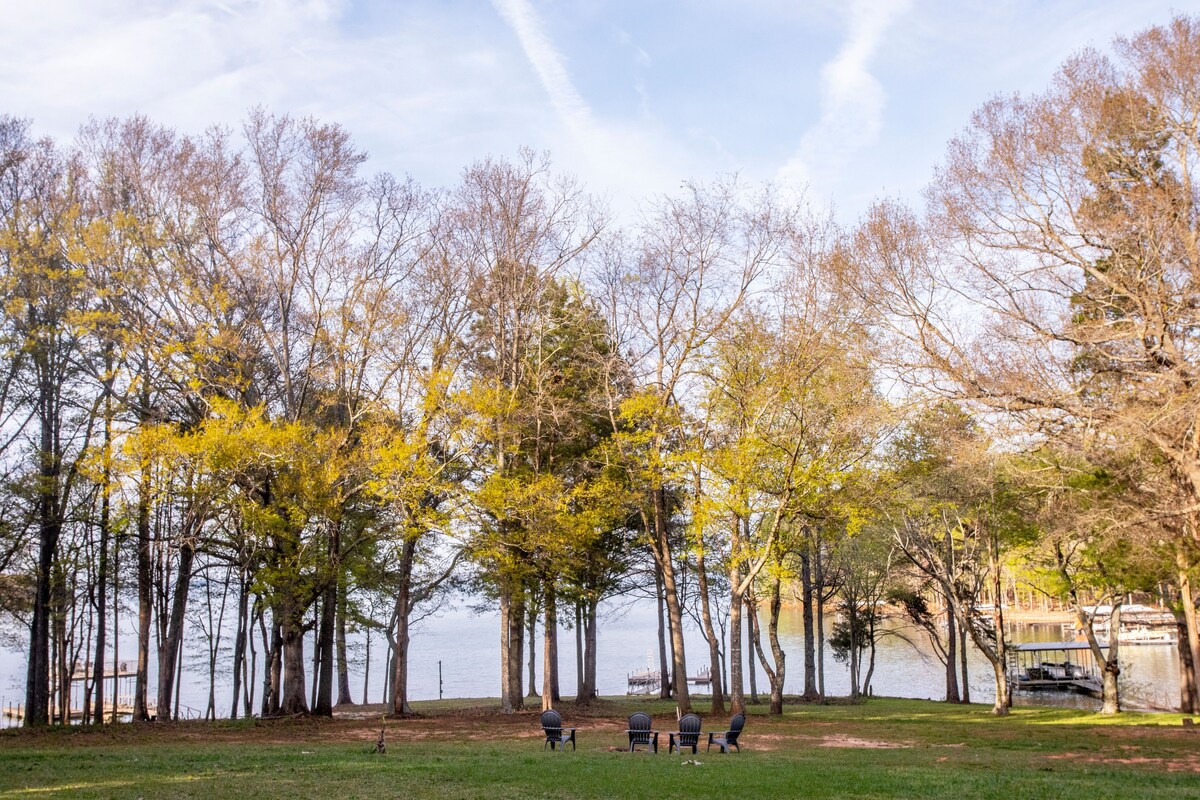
x: 466, y: 643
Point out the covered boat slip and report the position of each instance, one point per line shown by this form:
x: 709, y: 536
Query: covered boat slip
x: 1054, y: 665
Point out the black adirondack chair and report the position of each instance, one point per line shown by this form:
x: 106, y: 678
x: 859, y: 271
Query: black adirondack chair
x: 688, y: 734
x: 641, y: 732
x: 556, y: 735
x: 729, y: 738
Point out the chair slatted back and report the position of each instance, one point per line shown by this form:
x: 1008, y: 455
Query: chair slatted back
x: 689, y: 730
x: 639, y: 728
x: 552, y: 724
x: 735, y: 728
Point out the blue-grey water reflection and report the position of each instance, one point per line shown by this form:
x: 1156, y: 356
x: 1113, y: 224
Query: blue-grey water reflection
x: 466, y: 642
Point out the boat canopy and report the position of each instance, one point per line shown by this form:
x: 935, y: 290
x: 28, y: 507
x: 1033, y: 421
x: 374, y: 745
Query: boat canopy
x: 1040, y: 646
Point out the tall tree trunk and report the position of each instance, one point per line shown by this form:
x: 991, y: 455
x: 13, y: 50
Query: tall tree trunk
x: 1003, y: 701
x: 664, y: 666
x: 776, y: 674
x: 317, y: 653
x: 952, y: 695
x: 399, y: 691
x: 249, y: 670
x: 343, y: 666
x: 324, y: 645
x: 810, y: 651
x: 98, y: 658
x: 819, y: 581
x: 662, y: 552
x: 145, y: 588
x: 367, y: 665
x: 52, y: 703
x: 752, y: 635
x: 1191, y: 632
x: 178, y: 683
x: 239, y: 643
x: 507, y: 702
x: 517, y: 634
x: 264, y: 710
x: 64, y: 667
x: 170, y: 652
x: 951, y: 650
x: 962, y: 657
x: 710, y: 634
x: 116, y: 572
x: 852, y: 618
x: 37, y: 686
x: 389, y: 670
x: 552, y: 611
x: 531, y: 621
x: 737, y: 697
x: 1112, y: 667
x: 549, y: 646
x: 590, y: 641
x: 291, y: 623
x: 89, y: 643
x: 273, y: 668
x: 323, y: 707
x: 512, y: 629
x: 1187, y: 669
x: 580, y: 694
x: 102, y: 567
x: 871, y: 664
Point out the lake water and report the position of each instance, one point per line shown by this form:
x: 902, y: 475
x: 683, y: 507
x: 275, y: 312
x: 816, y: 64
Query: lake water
x: 466, y: 642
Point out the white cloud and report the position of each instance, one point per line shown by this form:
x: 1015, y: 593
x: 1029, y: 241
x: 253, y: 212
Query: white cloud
x: 626, y: 159
x: 548, y: 63
x: 642, y: 58
x: 852, y: 100
x: 421, y: 91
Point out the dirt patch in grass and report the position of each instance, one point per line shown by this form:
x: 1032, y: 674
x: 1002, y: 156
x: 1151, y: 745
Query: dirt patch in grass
x: 359, y: 725
x: 841, y: 740
x: 1173, y: 764
x: 778, y: 741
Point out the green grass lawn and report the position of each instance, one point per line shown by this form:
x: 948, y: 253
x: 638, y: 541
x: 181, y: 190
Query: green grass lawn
x: 461, y: 749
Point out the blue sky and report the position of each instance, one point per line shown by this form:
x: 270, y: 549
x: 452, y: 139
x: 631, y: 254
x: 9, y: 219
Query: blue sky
x: 850, y: 99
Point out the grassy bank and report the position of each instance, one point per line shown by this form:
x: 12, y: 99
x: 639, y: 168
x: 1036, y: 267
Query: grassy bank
x: 463, y: 749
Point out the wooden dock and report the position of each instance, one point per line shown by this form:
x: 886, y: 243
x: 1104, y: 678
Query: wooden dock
x: 16, y: 713
x: 647, y: 682
x: 650, y: 681
x: 120, y: 678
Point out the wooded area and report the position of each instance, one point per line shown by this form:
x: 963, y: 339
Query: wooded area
x: 254, y: 386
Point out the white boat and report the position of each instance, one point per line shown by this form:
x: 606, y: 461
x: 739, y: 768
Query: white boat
x: 1143, y: 636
